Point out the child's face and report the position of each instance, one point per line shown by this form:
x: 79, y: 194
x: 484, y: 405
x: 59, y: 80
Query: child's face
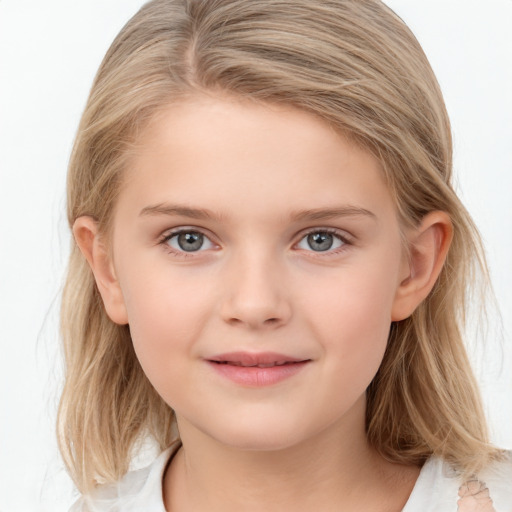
x: 248, y: 233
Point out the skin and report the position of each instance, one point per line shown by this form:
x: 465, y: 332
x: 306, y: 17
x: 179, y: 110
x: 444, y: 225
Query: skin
x: 268, y: 176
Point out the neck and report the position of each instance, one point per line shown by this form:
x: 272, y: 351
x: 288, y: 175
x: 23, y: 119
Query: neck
x: 327, y: 470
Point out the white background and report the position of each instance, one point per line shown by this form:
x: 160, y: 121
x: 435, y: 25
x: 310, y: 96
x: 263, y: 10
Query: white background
x: 49, y: 53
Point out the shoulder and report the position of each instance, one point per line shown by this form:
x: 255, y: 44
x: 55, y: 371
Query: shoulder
x: 498, y: 479
x: 440, y: 489
x: 137, y: 490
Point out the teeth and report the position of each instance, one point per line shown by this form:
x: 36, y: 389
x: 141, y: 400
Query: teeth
x: 260, y: 365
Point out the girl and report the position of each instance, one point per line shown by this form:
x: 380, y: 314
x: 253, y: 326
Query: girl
x: 270, y: 270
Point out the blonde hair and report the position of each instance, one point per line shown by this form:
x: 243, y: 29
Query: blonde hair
x: 353, y: 63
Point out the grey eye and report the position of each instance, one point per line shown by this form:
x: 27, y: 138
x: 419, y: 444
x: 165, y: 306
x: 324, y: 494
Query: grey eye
x: 320, y: 241
x: 189, y: 241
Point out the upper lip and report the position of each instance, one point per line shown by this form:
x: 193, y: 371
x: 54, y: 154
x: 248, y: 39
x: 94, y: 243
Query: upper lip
x: 255, y: 359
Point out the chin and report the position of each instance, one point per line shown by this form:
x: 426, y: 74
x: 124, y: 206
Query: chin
x: 260, y: 443
x: 259, y: 436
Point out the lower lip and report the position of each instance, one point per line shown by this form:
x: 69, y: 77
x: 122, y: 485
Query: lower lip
x: 254, y: 376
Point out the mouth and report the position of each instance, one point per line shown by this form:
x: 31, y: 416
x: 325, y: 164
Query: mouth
x: 259, y: 365
x: 256, y: 370
x: 260, y: 360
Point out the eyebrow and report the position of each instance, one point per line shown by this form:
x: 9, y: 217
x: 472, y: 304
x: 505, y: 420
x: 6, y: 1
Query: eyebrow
x: 180, y: 210
x: 300, y: 215
x: 331, y: 213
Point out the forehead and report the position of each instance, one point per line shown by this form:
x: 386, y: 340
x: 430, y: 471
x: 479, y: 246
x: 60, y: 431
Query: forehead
x: 245, y: 155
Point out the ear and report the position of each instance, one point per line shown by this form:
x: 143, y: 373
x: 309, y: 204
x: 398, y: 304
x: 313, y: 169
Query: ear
x: 85, y: 231
x: 428, y: 246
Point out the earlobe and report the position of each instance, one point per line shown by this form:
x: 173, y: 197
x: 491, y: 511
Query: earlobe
x: 88, y: 239
x: 428, y: 246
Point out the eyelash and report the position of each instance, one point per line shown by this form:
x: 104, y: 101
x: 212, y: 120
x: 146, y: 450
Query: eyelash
x: 341, y: 236
x: 164, y: 241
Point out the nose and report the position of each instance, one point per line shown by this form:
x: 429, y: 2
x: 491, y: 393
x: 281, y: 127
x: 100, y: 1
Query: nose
x: 256, y: 296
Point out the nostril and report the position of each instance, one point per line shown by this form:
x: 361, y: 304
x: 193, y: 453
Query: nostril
x: 269, y: 322
x: 254, y: 311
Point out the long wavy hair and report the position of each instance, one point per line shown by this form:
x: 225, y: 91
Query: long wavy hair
x: 353, y: 63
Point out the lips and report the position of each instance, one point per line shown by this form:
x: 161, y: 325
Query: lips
x: 256, y: 369
x: 259, y: 365
x: 262, y: 359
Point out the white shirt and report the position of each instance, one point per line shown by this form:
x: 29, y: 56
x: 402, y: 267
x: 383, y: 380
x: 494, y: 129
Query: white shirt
x: 437, y: 490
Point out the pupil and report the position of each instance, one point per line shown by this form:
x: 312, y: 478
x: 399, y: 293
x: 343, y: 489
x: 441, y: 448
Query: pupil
x: 320, y: 241
x: 190, y: 241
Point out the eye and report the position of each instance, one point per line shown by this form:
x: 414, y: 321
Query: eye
x: 188, y: 241
x: 321, y: 241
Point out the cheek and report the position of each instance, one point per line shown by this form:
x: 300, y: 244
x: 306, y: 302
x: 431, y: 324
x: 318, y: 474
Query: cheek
x: 358, y: 330
x: 352, y: 315
x: 166, y: 314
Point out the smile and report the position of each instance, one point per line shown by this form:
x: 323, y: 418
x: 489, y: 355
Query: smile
x: 260, y: 365
x: 256, y: 370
